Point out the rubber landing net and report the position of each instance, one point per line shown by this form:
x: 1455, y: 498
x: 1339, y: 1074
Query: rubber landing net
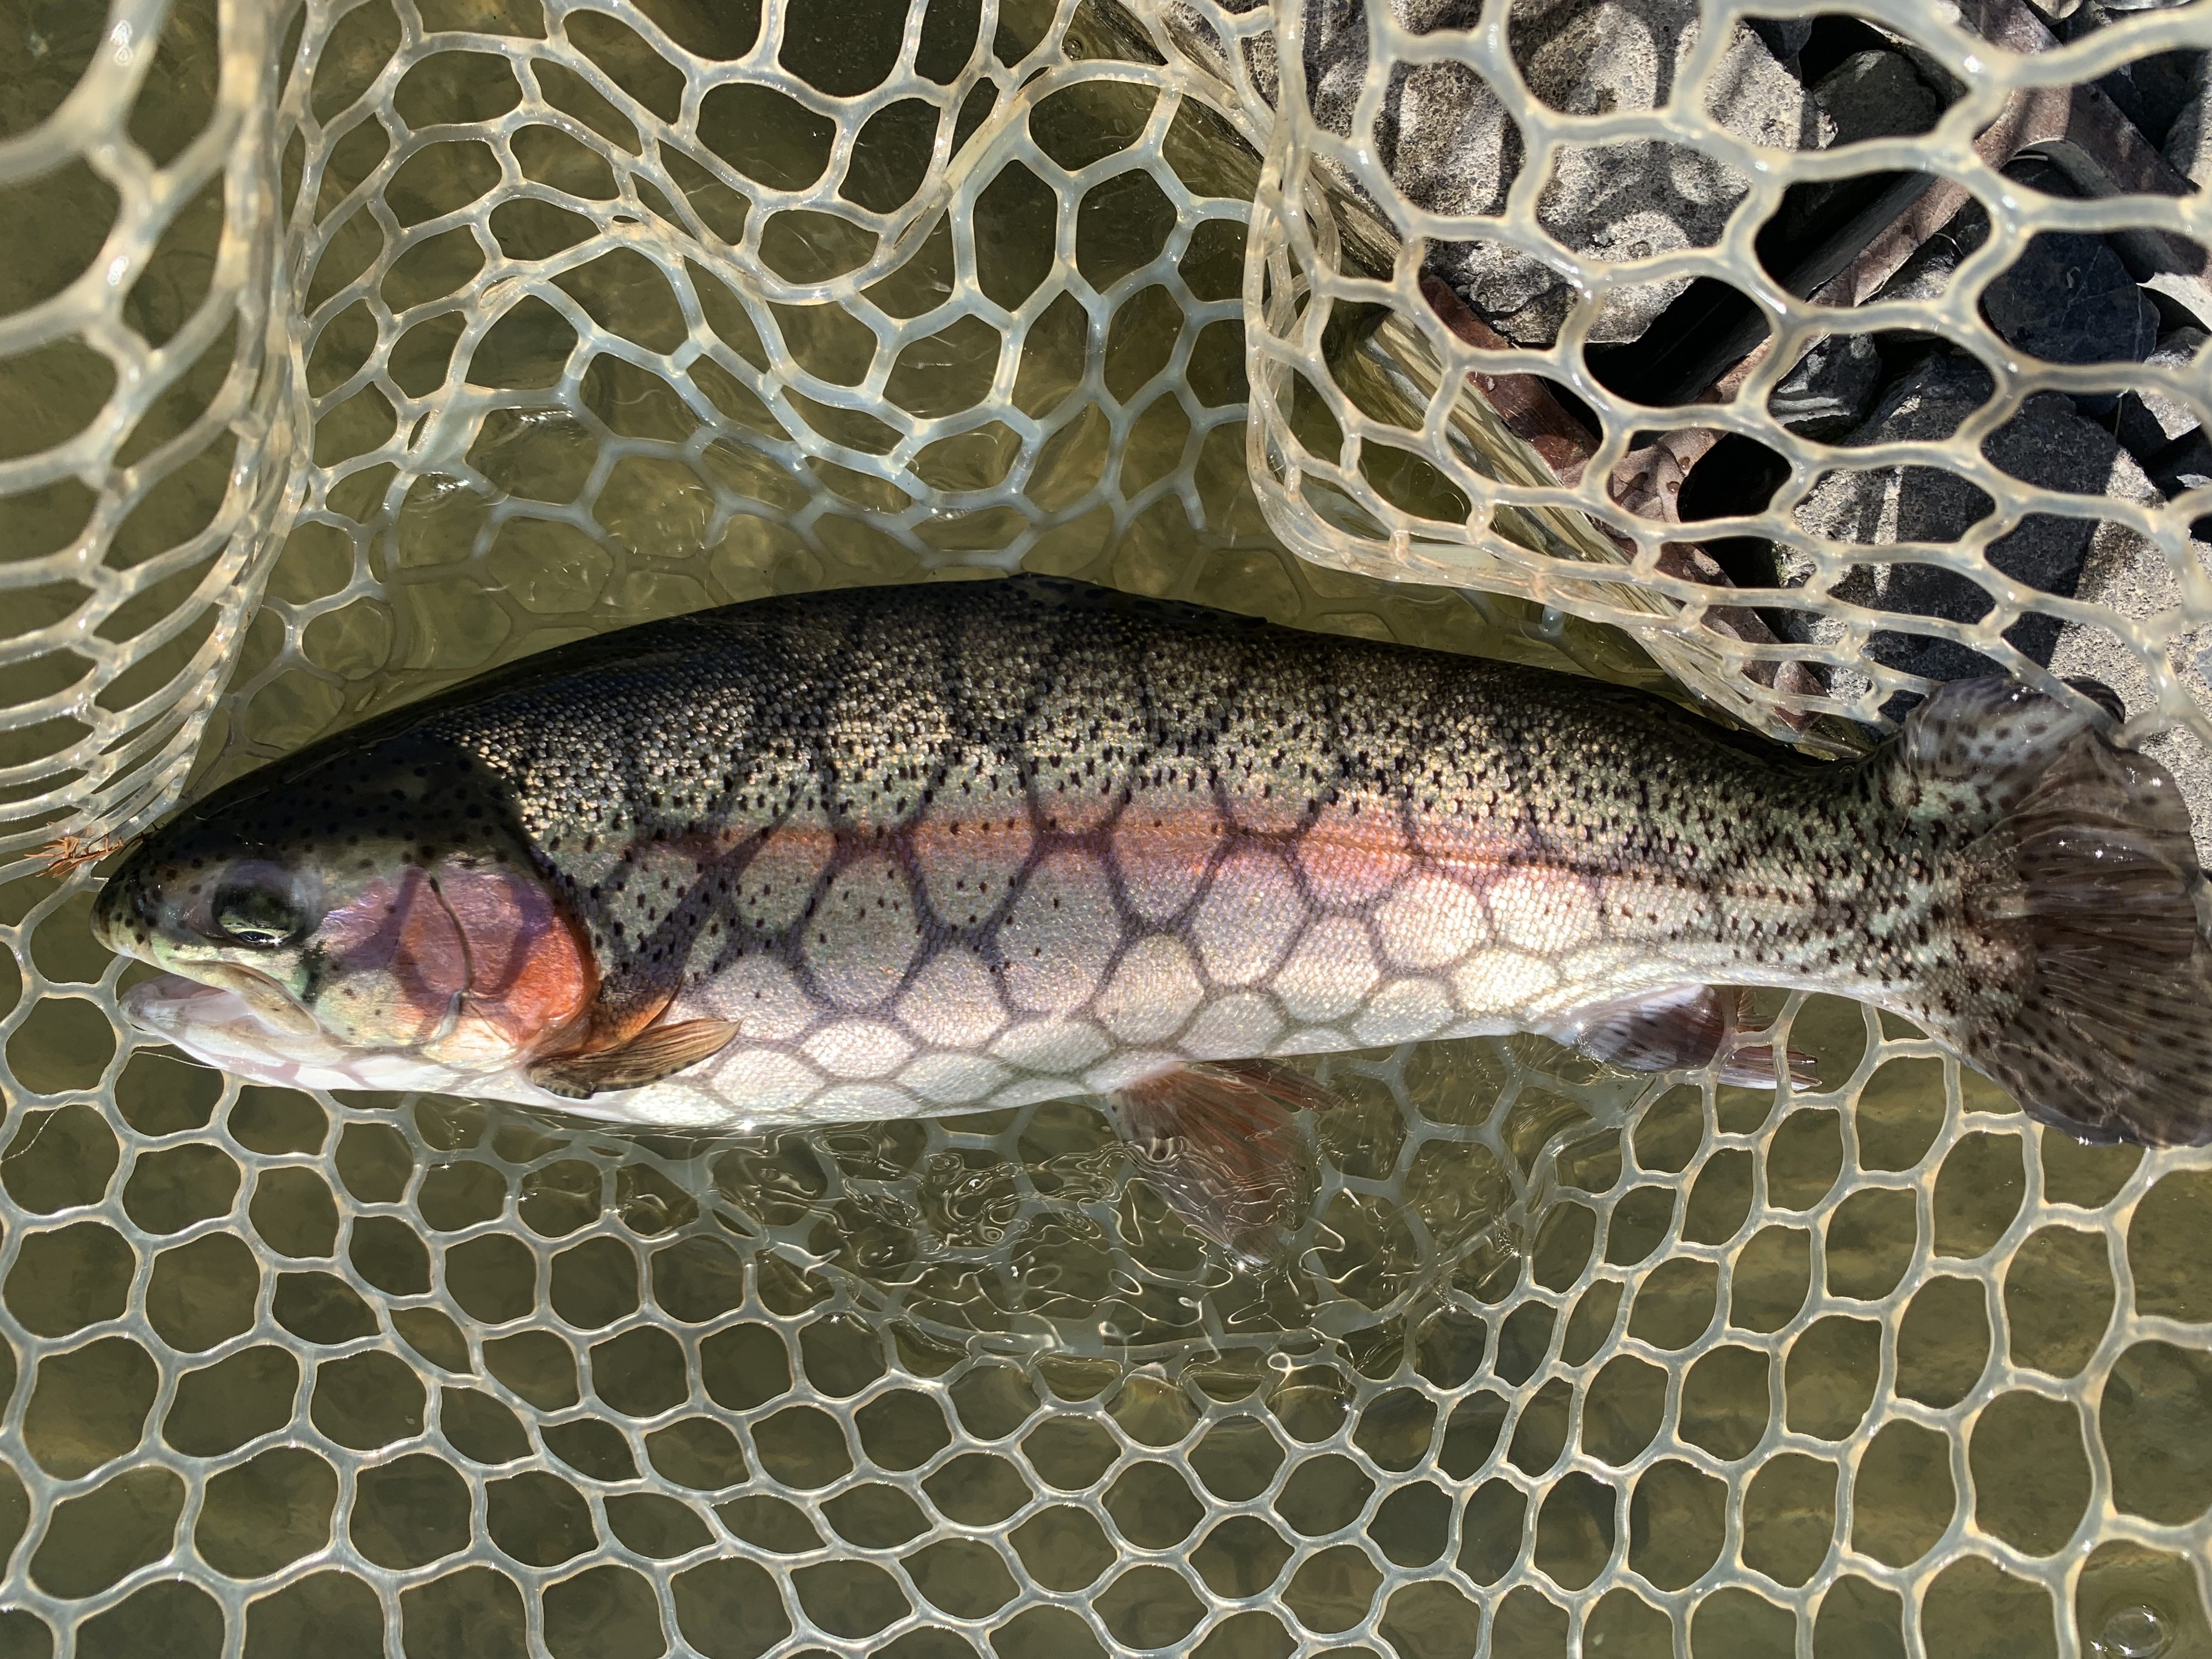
x: 1792, y: 358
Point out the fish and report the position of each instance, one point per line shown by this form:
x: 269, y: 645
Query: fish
x: 920, y: 850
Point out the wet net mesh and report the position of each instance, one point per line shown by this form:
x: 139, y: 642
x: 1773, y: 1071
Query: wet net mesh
x: 1789, y: 359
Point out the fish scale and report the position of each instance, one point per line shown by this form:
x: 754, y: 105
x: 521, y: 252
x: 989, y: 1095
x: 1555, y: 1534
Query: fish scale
x: 890, y: 852
x: 1087, y: 774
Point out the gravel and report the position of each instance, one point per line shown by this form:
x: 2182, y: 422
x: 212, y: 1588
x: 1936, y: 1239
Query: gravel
x: 1450, y: 146
x: 2047, y: 443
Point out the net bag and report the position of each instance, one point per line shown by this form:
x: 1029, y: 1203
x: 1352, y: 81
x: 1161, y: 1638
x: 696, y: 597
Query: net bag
x: 1787, y: 359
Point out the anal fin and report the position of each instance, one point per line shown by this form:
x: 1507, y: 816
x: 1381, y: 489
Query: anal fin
x: 1219, y: 1142
x: 657, y: 1052
x: 1679, y: 1028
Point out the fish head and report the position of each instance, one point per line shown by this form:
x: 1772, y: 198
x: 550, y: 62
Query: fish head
x: 364, y: 916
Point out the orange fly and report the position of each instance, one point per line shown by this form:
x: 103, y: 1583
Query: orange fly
x: 68, y: 854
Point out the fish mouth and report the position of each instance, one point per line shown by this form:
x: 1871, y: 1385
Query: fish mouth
x: 228, y: 1023
x: 173, y: 1006
x: 275, y: 1007
x: 215, y: 1024
x: 161, y: 1007
x: 220, y: 1026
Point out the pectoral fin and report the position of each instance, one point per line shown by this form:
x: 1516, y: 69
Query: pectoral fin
x: 1679, y: 1028
x: 1218, y: 1141
x: 657, y: 1052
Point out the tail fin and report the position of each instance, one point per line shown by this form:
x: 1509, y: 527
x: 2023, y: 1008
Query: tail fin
x: 2085, y: 887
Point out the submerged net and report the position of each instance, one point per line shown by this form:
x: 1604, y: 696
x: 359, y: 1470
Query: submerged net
x: 349, y: 350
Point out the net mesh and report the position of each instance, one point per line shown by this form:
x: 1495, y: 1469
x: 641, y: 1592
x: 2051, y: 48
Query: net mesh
x: 349, y: 350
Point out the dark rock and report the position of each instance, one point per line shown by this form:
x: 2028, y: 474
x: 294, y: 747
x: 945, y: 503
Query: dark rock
x: 1785, y: 37
x: 2150, y: 90
x: 2184, y: 464
x: 1927, y: 270
x: 1929, y: 400
x: 2046, y: 444
x: 2189, y: 140
x: 2149, y: 422
x: 1831, y: 388
x: 2067, y: 299
x: 1875, y: 94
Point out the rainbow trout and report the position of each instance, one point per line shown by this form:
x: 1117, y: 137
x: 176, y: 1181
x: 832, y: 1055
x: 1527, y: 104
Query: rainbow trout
x: 906, y: 851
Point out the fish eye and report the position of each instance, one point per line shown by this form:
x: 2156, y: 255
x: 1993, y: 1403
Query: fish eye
x: 256, y: 916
